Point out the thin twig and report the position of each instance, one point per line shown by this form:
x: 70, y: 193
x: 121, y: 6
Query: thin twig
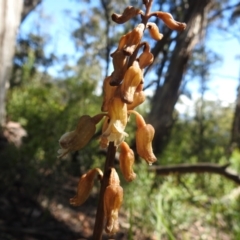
x: 198, y: 168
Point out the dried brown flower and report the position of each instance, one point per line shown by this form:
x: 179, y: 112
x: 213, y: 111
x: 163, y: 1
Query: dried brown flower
x: 126, y: 160
x: 79, y: 138
x: 85, y: 185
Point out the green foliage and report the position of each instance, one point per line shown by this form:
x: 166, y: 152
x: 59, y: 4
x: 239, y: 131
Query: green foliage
x: 47, y: 109
x: 204, y: 137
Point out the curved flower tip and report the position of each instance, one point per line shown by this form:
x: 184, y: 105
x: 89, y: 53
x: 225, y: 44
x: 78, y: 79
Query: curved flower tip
x: 139, y: 119
x: 113, y: 197
x: 126, y: 159
x: 144, y: 137
x: 85, y: 185
x: 170, y: 22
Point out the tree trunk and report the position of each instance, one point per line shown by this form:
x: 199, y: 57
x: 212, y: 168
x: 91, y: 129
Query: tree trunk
x: 10, y: 17
x: 235, y: 135
x: 166, y: 95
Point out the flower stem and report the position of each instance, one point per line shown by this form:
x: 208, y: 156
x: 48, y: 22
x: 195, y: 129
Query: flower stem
x: 99, y: 220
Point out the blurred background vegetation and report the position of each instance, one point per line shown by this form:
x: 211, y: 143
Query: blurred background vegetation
x: 35, y: 185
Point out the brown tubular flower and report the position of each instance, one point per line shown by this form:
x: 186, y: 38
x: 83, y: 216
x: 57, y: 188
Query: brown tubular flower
x: 144, y: 136
x: 126, y: 159
x: 128, y: 13
x: 113, y: 197
x: 85, y: 186
x: 117, y: 112
x: 133, y: 39
x: 154, y: 31
x: 132, y: 78
x: 146, y: 58
x: 170, y: 22
x: 79, y: 138
x: 108, y: 93
x: 120, y: 67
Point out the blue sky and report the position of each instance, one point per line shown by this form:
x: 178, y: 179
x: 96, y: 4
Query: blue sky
x: 224, y: 76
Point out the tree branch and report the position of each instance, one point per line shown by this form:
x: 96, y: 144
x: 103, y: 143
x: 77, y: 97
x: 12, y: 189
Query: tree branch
x: 28, y: 6
x: 198, y: 168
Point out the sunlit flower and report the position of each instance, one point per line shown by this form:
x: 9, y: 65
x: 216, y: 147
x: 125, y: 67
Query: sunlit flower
x: 132, y: 79
x: 131, y: 40
x: 117, y: 113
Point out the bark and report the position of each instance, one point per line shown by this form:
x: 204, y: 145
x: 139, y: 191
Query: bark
x: 10, y: 16
x: 165, y: 98
x: 235, y: 135
x: 12, y: 13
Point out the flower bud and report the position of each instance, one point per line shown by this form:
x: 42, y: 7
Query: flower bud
x: 85, y: 186
x: 146, y: 58
x: 79, y: 138
x: 128, y: 13
x: 154, y: 31
x: 113, y: 197
x: 108, y: 93
x: 126, y: 159
x: 170, y: 22
x: 132, y: 79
